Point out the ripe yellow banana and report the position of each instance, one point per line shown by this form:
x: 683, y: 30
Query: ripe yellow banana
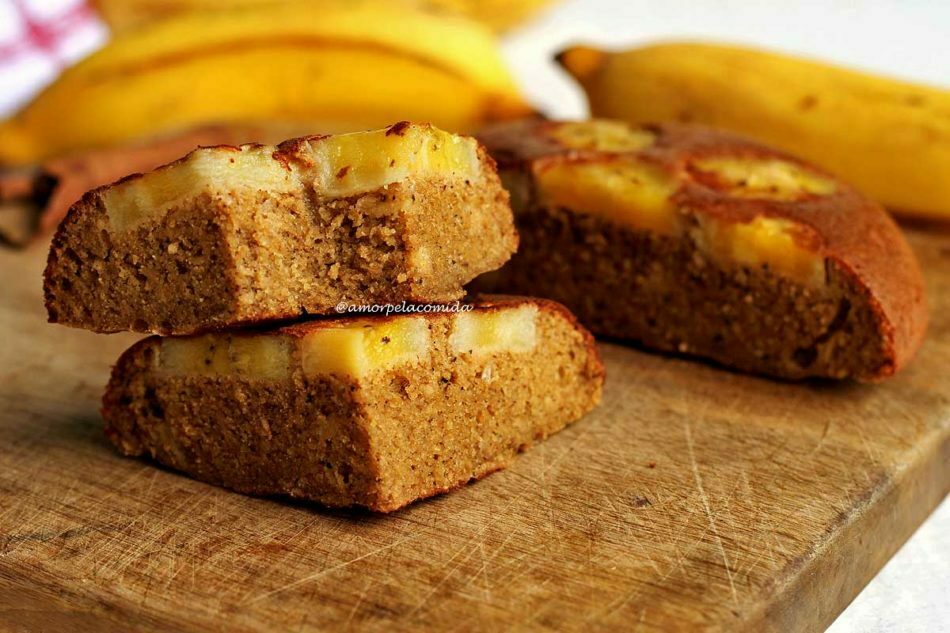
x: 500, y: 15
x: 342, y: 65
x: 889, y: 138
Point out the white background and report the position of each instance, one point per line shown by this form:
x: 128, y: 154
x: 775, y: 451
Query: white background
x: 909, y: 39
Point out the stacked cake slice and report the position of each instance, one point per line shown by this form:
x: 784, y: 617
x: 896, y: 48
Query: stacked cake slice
x: 370, y: 411
x: 233, y: 235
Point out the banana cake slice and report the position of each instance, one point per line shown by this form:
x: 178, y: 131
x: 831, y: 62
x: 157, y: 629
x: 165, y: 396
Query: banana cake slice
x: 699, y: 242
x: 233, y: 235
x: 374, y: 412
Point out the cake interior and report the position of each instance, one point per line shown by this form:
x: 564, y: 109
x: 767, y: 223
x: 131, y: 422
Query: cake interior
x: 668, y: 293
x: 391, y: 410
x: 223, y: 256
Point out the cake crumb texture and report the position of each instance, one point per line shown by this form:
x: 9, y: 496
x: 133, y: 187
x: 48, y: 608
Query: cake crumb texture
x: 218, y: 257
x: 702, y: 243
x: 379, y: 440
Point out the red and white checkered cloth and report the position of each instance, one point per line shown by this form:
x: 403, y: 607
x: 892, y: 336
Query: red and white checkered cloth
x: 38, y: 38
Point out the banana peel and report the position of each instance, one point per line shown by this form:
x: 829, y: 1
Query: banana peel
x: 889, y: 138
x: 348, y: 65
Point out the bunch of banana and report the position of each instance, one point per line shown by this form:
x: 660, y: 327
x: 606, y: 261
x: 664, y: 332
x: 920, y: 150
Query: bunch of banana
x: 341, y: 65
x: 889, y: 138
x: 500, y: 15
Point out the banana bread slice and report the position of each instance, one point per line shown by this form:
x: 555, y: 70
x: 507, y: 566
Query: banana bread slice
x: 232, y: 235
x: 695, y: 241
x: 374, y: 412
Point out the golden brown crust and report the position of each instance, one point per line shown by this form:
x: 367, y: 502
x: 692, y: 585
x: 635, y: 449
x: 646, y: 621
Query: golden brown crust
x: 848, y: 229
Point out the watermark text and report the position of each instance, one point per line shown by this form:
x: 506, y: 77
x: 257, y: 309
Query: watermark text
x: 405, y: 307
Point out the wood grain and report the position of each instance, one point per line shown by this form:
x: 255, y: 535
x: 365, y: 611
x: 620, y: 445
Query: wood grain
x: 694, y: 498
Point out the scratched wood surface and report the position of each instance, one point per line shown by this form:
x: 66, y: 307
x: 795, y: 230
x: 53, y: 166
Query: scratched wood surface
x: 693, y: 498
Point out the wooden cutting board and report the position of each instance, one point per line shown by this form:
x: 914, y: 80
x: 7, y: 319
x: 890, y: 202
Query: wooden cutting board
x: 692, y: 498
